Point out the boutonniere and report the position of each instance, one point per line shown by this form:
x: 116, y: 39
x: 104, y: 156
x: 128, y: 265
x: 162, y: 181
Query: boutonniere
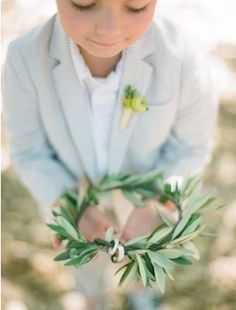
x: 132, y: 102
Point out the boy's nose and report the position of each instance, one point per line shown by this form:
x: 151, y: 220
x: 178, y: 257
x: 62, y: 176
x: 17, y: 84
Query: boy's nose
x: 109, y: 24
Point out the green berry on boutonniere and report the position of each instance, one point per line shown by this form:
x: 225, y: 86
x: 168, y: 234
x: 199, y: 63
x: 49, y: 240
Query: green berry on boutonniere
x: 132, y: 101
x: 139, y: 104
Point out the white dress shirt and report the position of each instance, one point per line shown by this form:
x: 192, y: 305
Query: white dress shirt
x: 103, y: 97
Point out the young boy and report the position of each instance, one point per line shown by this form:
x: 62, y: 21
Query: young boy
x: 63, y: 86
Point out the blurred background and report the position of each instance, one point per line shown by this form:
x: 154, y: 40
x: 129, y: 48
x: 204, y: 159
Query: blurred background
x: 30, y: 277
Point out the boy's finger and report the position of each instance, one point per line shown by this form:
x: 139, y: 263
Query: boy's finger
x: 126, y: 235
x: 56, y: 243
x: 170, y: 205
x: 123, y: 240
x: 116, y: 229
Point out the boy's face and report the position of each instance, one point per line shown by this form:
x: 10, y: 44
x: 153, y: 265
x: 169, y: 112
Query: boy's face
x: 103, y: 28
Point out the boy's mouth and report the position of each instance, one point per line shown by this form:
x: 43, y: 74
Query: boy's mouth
x: 105, y: 44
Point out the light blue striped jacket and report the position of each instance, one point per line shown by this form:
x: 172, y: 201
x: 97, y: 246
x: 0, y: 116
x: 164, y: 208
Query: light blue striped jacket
x: 48, y: 119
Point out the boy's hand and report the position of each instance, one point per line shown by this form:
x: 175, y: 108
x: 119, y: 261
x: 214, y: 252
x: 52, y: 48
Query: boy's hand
x: 92, y: 224
x: 143, y: 220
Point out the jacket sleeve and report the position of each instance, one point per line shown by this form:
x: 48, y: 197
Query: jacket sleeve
x: 189, y: 146
x: 32, y: 156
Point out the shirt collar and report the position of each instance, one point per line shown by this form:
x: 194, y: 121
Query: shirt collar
x: 111, y: 81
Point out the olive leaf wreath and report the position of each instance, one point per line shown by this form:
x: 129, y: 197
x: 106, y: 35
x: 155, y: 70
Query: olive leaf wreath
x: 150, y: 257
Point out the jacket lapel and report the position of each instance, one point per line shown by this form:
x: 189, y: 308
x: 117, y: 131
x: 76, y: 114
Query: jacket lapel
x: 137, y: 73
x: 74, y: 100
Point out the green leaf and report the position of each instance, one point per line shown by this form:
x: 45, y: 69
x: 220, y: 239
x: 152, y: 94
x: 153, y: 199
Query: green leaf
x: 74, y: 253
x: 69, y: 203
x: 135, y: 241
x: 189, y: 245
x: 167, y: 271
x: 129, y: 274
x: 195, y: 194
x: 68, y: 227
x: 92, y: 196
x: 163, y: 198
x: 155, y: 230
x: 167, y: 188
x: 60, y: 230
x: 91, y: 251
x: 176, y: 193
x: 123, y: 176
x: 109, y: 234
x: 151, y: 176
x: 62, y: 256
x: 71, y: 195
x: 55, y: 214
x: 163, y: 216
x: 181, y: 225
x: 79, y: 245
x: 193, y: 206
x: 210, y: 209
x: 192, y: 227
x: 159, y: 234
x: 131, y: 180
x: 143, y: 178
x: 187, y: 237
x: 182, y: 261
x: 150, y: 276
x: 144, y: 192
x: 160, y: 277
x: 174, y: 253
x: 160, y: 260
x: 142, y: 269
x: 83, y: 258
x: 134, y: 198
x: 109, y: 182
x: 190, y: 184
x: 66, y: 214
x: 208, y: 235
x: 122, y: 267
x: 80, y: 198
x: 74, y: 262
x: 149, y: 269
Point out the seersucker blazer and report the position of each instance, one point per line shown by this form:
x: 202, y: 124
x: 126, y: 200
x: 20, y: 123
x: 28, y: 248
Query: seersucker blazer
x: 48, y: 117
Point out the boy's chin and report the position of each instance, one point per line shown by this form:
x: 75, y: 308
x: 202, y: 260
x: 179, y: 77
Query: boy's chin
x: 106, y: 53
